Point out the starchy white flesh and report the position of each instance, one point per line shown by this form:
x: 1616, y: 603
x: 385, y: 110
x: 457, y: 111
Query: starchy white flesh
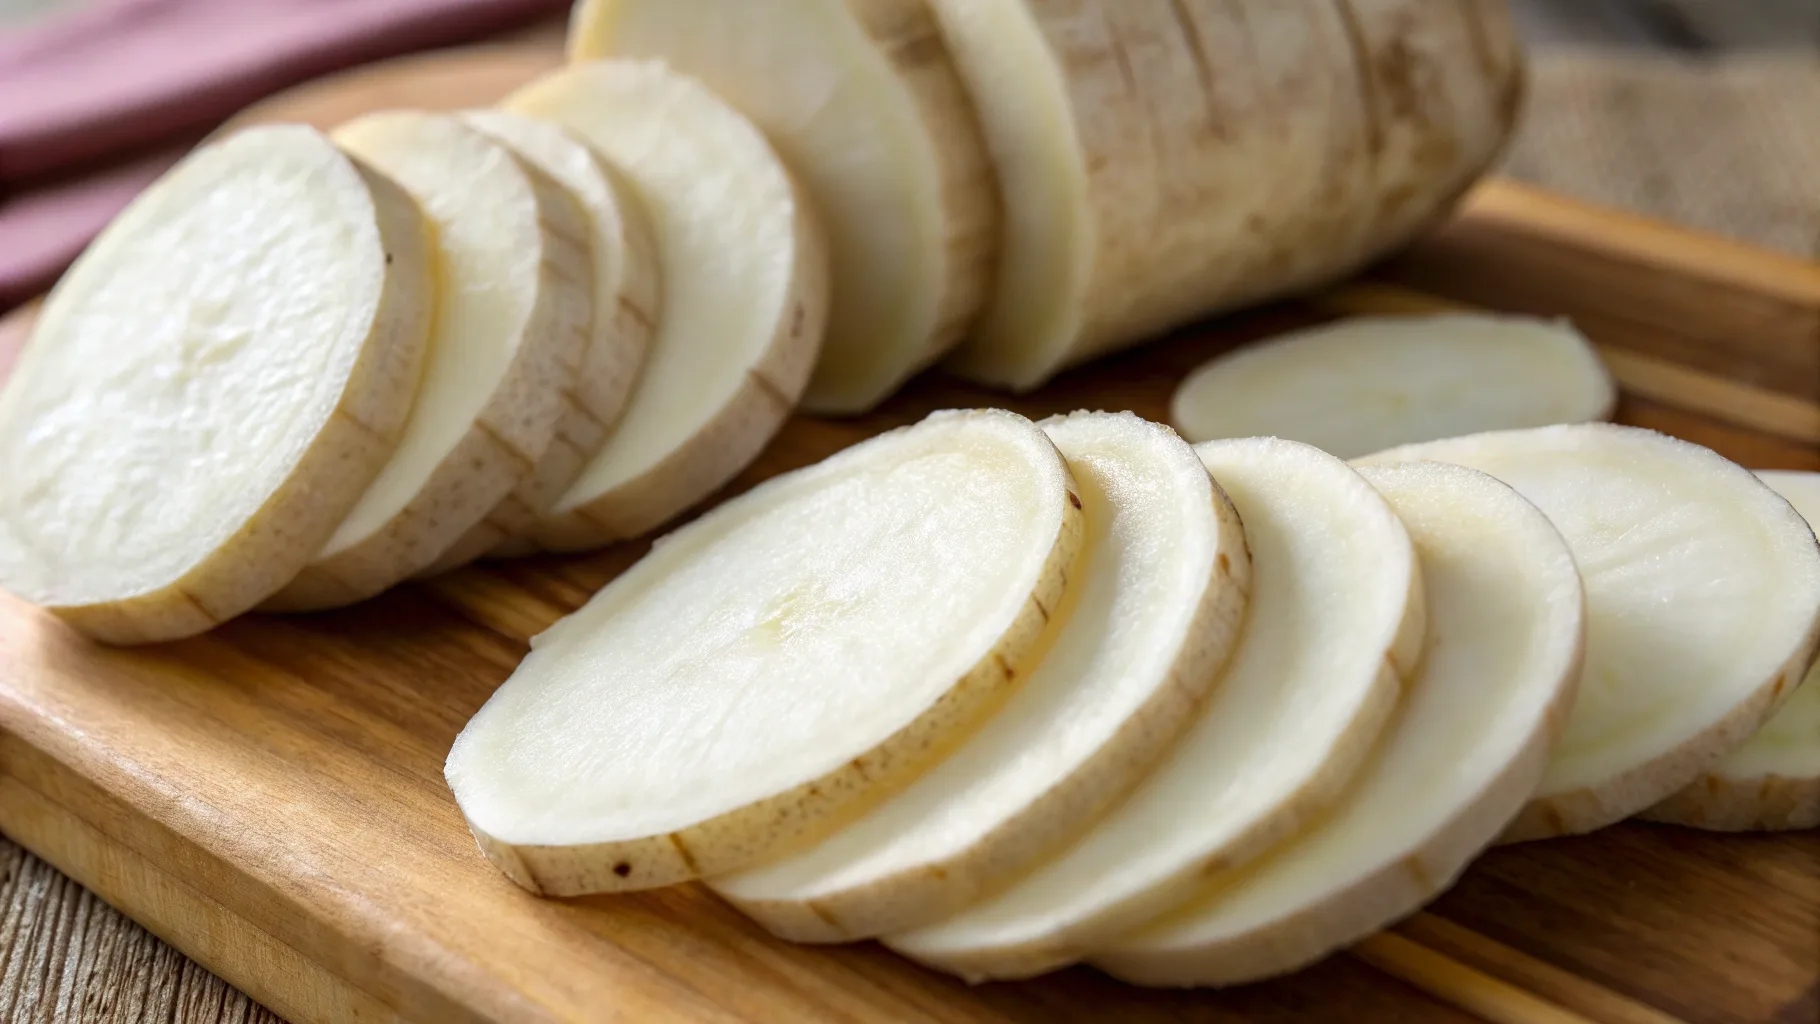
x: 1703, y: 607
x: 1162, y: 162
x: 1336, y: 616
x: 745, y: 277
x: 511, y: 318
x: 211, y: 386
x: 1149, y: 620
x: 1772, y: 782
x: 1469, y: 742
x: 623, y: 305
x: 860, y: 98
x: 777, y: 663
x: 1366, y: 384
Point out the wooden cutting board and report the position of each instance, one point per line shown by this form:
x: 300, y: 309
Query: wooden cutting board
x: 268, y: 798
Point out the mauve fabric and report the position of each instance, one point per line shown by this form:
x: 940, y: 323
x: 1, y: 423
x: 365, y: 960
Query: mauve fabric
x: 42, y: 230
x: 122, y: 76
x: 13, y: 331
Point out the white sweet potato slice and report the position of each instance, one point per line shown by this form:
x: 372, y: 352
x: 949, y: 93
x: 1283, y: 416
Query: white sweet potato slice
x: 1703, y: 607
x: 511, y: 318
x: 860, y: 98
x: 1151, y: 617
x: 1506, y: 634
x: 211, y: 387
x: 745, y: 272
x: 624, y: 291
x: 1362, y: 385
x: 776, y: 664
x: 1076, y: 172
x: 1336, y: 618
x: 1160, y: 162
x: 1772, y: 782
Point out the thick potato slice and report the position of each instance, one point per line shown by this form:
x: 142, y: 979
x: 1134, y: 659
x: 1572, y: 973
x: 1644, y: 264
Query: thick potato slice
x: 1336, y: 619
x: 1159, y: 162
x: 1362, y: 385
x: 860, y: 98
x: 1150, y: 618
x: 745, y: 271
x: 1506, y: 634
x: 776, y: 664
x: 625, y: 291
x: 511, y: 319
x: 1772, y: 782
x: 1703, y: 607
x: 211, y: 387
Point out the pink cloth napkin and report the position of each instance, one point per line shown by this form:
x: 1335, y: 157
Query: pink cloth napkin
x: 13, y: 331
x: 122, y: 76
x: 43, y: 230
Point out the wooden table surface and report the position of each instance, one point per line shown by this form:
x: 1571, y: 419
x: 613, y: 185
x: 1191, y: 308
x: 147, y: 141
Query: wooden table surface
x: 66, y: 956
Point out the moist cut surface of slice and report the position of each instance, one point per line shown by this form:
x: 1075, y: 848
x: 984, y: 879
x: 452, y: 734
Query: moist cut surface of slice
x: 745, y: 278
x: 1365, y: 384
x: 211, y: 387
x: 776, y: 663
x: 1336, y: 617
x: 862, y: 102
x: 1772, y: 782
x: 1506, y: 633
x: 1702, y: 607
x: 1150, y: 620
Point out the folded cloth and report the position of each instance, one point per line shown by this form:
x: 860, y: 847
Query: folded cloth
x: 14, y: 328
x: 121, y: 76
x: 1726, y: 144
x: 43, y: 230
x: 124, y: 73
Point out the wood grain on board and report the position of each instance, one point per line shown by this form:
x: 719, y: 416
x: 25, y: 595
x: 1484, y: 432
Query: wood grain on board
x: 268, y: 798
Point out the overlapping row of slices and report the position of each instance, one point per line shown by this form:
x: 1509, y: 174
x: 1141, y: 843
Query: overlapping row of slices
x: 1011, y: 695
x: 301, y: 369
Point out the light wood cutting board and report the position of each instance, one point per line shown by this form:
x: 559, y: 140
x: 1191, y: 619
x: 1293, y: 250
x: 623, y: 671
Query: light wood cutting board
x: 269, y: 799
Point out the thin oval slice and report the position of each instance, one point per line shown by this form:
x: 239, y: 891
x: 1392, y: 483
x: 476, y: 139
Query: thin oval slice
x: 1336, y: 616
x: 622, y: 315
x: 511, y: 318
x: 1772, y: 783
x: 776, y: 663
x: 1506, y: 633
x: 745, y: 273
x: 211, y: 387
x: 1151, y: 617
x: 860, y: 98
x: 1363, y: 385
x: 1703, y: 607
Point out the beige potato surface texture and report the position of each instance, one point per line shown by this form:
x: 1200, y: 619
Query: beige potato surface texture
x: 1163, y: 161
